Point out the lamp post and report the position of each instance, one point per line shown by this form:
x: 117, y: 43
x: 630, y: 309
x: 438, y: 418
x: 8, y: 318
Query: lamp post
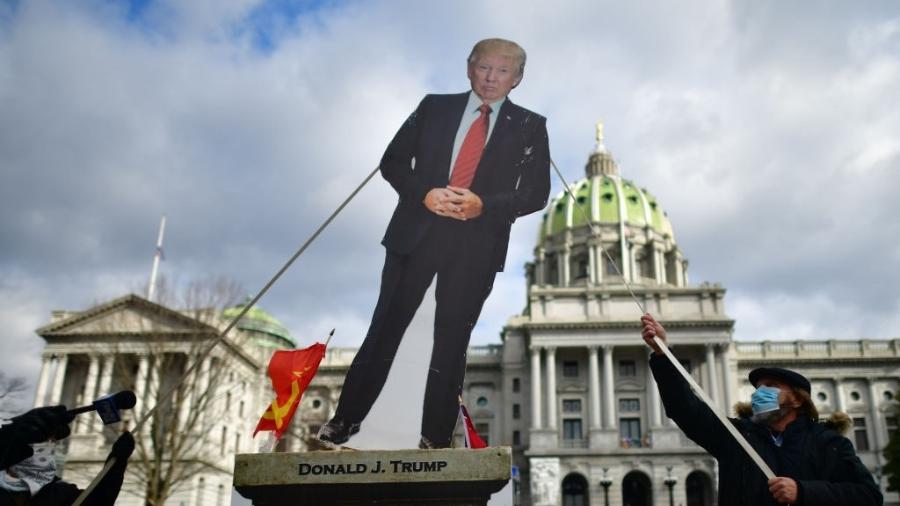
x: 605, y: 483
x: 670, y: 482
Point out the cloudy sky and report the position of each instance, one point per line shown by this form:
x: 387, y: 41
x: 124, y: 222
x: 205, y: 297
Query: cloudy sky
x: 770, y: 131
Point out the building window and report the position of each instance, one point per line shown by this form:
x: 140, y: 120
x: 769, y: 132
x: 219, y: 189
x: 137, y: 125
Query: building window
x: 483, y: 429
x: 629, y: 405
x: 890, y: 423
x: 571, y: 405
x: 630, y: 432
x: 860, y: 434
x: 570, y: 368
x: 854, y: 395
x: 316, y: 403
x: 627, y: 368
x: 241, y: 408
x: 572, y: 429
x: 517, y: 438
x: 517, y: 412
x: 222, y: 442
x: 686, y: 364
x: 517, y: 385
x: 888, y: 395
x: 821, y: 396
x: 580, y: 267
x: 611, y: 268
x: 481, y: 402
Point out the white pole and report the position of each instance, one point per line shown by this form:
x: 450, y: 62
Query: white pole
x: 151, y: 288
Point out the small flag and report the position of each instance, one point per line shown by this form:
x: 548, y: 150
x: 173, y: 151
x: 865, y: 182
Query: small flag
x: 472, y: 438
x: 290, y: 371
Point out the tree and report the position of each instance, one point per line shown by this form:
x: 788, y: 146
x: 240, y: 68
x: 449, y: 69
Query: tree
x: 187, y: 431
x: 891, y: 453
x: 11, y: 390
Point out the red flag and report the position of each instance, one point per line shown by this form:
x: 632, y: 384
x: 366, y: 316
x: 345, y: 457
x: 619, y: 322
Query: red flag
x: 291, y: 371
x: 472, y: 438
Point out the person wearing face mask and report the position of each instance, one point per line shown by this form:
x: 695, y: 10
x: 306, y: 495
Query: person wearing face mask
x: 28, y: 461
x: 812, y: 462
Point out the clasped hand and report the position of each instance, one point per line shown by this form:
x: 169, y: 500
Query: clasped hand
x: 453, y: 202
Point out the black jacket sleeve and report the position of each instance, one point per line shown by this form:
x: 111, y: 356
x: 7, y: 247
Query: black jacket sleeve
x: 397, y: 162
x: 857, y: 487
x: 533, y: 187
x: 689, y: 412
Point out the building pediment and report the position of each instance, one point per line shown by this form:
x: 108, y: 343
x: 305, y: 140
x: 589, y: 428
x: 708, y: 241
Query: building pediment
x: 130, y: 314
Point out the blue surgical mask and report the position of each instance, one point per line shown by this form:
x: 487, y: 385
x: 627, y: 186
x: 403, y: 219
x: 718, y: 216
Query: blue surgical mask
x: 764, y: 399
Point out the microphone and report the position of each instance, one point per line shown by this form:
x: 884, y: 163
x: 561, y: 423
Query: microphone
x: 108, y: 406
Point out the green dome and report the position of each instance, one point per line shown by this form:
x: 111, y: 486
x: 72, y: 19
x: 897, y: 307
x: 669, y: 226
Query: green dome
x: 259, y: 321
x: 607, y: 199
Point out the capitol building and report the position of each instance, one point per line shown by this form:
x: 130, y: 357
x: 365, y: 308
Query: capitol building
x: 568, y: 387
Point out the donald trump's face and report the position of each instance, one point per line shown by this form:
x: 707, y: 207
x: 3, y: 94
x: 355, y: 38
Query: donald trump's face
x: 493, y: 74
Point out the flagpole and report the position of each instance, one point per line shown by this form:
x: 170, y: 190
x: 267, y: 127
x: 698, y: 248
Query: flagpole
x: 157, y: 256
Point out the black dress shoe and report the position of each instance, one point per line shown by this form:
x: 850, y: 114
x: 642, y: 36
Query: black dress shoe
x: 337, y: 432
x: 427, y: 444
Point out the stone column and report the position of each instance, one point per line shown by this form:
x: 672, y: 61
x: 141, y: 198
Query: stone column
x: 876, y: 418
x: 713, y: 377
x: 592, y: 264
x: 40, y: 395
x: 840, y: 400
x: 726, y: 376
x: 192, y: 385
x: 608, y: 389
x: 594, y: 386
x: 551, y: 387
x: 56, y: 392
x: 564, y: 270
x: 536, y: 387
x: 90, y: 392
x: 661, y: 277
x: 539, y: 267
x: 140, y: 387
x: 653, y: 402
x: 599, y: 255
x: 103, y: 387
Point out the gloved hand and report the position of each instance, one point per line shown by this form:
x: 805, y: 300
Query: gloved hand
x: 40, y: 424
x: 123, y: 447
x: 35, y: 426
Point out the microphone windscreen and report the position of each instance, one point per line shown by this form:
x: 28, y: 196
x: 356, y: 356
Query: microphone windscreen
x: 125, y: 399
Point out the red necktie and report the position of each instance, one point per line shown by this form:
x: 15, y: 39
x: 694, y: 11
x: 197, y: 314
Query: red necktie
x: 470, y: 151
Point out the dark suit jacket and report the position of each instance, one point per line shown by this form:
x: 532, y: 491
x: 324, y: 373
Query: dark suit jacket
x: 513, y: 176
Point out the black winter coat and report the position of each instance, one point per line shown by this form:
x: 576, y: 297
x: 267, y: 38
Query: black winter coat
x: 821, y: 461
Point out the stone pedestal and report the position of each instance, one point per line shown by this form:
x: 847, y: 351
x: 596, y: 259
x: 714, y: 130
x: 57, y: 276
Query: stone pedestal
x: 458, y: 477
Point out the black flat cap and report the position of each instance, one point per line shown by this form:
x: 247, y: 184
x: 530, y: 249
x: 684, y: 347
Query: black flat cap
x: 792, y: 378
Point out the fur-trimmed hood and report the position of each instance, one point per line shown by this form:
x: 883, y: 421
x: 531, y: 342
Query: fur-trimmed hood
x: 839, y: 421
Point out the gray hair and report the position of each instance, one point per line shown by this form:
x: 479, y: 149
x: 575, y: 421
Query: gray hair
x: 507, y: 47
